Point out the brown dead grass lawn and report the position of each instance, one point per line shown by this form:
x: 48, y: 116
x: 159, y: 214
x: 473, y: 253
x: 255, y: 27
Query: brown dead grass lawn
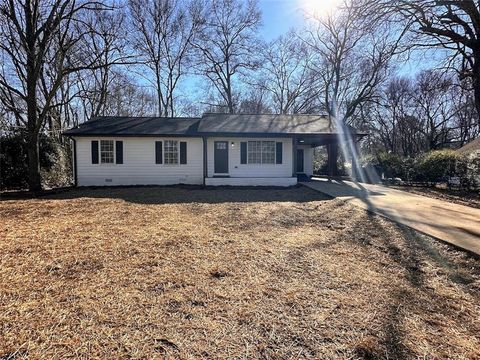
x: 229, y: 274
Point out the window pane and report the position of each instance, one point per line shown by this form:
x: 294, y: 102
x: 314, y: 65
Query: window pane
x: 254, y: 152
x: 268, y: 152
x: 106, y: 152
x: 171, y: 151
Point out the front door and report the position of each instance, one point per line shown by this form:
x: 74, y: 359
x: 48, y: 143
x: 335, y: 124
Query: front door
x: 300, y: 161
x: 221, y: 157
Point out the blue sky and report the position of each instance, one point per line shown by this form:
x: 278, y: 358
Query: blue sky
x: 279, y: 16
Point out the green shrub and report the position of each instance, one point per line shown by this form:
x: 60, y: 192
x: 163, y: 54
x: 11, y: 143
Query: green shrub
x: 429, y: 168
x: 468, y: 170
x: 14, y: 161
x: 436, y: 166
x: 391, y: 165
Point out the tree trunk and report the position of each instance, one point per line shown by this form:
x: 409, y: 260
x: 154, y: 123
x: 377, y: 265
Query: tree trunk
x: 33, y: 147
x: 231, y: 110
x: 159, y: 90
x: 332, y: 167
x: 34, y: 182
x: 476, y: 82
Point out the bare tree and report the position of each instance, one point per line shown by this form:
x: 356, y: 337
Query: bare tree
x: 448, y: 24
x: 34, y: 34
x: 466, y: 126
x: 255, y: 102
x: 354, y: 50
x: 163, y: 34
x: 109, y: 46
x: 395, y: 106
x: 287, y: 76
x: 128, y: 98
x: 432, y: 96
x: 227, y: 44
x: 428, y: 112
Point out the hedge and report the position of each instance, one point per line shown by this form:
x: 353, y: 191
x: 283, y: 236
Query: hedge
x: 14, y: 162
x: 429, y: 168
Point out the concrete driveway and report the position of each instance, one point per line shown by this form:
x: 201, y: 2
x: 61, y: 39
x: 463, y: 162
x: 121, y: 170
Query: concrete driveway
x: 456, y: 224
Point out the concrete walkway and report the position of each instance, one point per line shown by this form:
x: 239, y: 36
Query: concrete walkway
x: 456, y: 224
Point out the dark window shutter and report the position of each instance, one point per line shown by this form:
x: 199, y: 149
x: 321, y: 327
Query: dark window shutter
x: 243, y: 153
x: 158, y: 152
x: 183, y: 152
x: 279, y: 153
x: 94, y: 152
x: 119, y: 152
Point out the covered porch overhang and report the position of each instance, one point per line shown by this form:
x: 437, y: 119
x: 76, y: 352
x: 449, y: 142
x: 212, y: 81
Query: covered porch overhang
x: 331, y: 141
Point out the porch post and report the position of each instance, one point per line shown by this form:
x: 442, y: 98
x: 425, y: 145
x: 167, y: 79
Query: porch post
x: 332, y: 151
x: 355, y: 153
x: 294, y: 154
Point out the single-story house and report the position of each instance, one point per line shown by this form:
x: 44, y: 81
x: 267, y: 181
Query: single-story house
x: 215, y: 149
x: 473, y: 147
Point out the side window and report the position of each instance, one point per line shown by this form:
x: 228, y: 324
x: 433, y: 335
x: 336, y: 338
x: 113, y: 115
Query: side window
x: 171, y: 151
x: 107, y: 152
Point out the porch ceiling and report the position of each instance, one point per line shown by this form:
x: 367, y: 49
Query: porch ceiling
x: 315, y: 140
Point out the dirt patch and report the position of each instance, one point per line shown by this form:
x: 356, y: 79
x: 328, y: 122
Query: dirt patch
x: 227, y: 273
x: 461, y: 197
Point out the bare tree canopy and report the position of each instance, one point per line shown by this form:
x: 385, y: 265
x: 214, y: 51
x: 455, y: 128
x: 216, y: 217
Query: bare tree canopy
x: 40, y: 46
x: 67, y: 61
x: 163, y: 31
x: 353, y: 56
x: 287, y: 76
x: 228, y: 44
x: 452, y: 25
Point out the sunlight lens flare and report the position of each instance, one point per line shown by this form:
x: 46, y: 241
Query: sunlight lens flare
x: 316, y: 8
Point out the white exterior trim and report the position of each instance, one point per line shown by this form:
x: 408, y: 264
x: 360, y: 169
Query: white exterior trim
x: 243, y: 181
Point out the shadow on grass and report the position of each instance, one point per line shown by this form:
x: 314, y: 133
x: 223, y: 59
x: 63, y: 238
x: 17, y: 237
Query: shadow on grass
x: 341, y: 189
x: 412, y: 251
x: 181, y: 194
x: 415, y: 254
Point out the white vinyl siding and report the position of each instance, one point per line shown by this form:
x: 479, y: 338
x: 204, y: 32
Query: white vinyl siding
x: 249, y: 170
x: 139, y: 166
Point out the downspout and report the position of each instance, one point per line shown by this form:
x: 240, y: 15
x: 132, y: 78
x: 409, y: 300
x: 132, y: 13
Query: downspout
x: 75, y: 179
x: 205, y: 163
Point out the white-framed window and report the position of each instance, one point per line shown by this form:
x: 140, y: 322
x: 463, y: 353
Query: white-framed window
x: 254, y: 152
x: 261, y: 152
x: 268, y: 152
x: 170, y: 150
x: 107, y: 152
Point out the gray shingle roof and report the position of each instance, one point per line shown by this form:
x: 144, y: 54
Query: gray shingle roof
x: 135, y: 126
x: 209, y: 124
x: 270, y: 124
